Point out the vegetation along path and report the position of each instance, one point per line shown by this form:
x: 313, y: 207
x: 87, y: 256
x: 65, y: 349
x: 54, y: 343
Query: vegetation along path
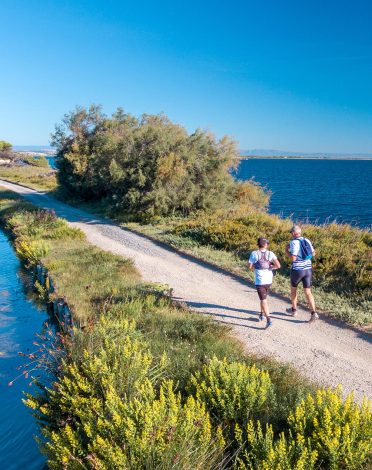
x: 328, y: 352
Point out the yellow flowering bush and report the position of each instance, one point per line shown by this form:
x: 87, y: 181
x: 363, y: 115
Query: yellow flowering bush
x: 340, y: 430
x: 105, y: 411
x: 32, y: 251
x: 259, y: 450
x: 324, y: 432
x: 232, y: 392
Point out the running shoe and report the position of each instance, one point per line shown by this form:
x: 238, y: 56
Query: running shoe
x: 314, y: 316
x: 261, y: 317
x: 292, y: 312
x: 269, y: 323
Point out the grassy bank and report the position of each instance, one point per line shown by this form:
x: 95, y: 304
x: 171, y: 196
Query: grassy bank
x: 35, y: 177
x: 147, y: 384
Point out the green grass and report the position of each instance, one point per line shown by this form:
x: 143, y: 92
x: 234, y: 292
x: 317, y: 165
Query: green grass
x: 34, y: 177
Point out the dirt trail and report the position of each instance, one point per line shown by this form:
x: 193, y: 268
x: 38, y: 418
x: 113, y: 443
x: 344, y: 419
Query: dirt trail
x: 328, y: 352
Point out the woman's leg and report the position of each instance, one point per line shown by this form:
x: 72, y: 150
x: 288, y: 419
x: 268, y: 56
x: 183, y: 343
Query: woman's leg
x: 265, y: 308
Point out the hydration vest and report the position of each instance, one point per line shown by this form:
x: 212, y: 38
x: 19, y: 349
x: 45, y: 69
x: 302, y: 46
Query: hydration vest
x: 263, y: 262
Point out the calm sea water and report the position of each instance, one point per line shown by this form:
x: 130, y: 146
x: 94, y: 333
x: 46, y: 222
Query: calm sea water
x: 316, y: 191
x: 19, y: 321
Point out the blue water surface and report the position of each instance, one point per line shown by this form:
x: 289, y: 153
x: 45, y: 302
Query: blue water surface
x: 315, y: 191
x: 19, y: 321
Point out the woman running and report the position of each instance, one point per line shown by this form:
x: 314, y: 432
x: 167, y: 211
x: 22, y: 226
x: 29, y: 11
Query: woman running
x: 263, y: 262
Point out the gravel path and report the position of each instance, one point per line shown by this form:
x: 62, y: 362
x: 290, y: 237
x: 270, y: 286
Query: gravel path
x: 328, y: 352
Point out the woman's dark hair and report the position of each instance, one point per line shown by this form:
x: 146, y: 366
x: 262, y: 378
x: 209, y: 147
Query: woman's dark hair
x: 262, y: 242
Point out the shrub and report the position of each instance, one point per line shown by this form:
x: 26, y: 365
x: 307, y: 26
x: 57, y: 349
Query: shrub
x: 343, y: 261
x: 39, y: 161
x: 31, y: 251
x: 232, y: 392
x: 322, y: 432
x: 339, y: 430
x: 258, y: 450
x: 32, y: 223
x: 5, y: 146
x: 104, y: 410
x: 148, y: 167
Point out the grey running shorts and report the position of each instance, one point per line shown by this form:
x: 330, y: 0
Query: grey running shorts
x: 262, y: 291
x: 304, y: 275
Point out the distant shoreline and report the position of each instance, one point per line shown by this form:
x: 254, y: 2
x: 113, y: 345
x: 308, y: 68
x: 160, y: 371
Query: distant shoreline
x: 250, y: 157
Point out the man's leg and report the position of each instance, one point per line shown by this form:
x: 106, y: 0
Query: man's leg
x: 310, y: 298
x: 294, y: 298
x: 307, y: 281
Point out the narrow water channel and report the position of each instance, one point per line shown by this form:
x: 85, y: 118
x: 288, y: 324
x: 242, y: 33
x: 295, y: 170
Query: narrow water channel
x: 20, y: 319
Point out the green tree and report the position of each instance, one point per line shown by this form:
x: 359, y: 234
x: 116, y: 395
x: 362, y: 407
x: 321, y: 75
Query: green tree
x: 5, y: 146
x: 146, y: 167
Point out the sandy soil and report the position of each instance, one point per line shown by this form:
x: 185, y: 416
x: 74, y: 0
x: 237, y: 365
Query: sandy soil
x: 327, y: 351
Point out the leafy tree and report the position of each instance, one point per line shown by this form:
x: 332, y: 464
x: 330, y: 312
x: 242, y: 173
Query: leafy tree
x: 147, y: 166
x: 5, y: 146
x: 5, y: 149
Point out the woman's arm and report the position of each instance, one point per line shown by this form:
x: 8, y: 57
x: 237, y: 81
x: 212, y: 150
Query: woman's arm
x: 276, y: 264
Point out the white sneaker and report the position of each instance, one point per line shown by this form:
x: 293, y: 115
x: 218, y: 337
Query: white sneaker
x: 314, y: 316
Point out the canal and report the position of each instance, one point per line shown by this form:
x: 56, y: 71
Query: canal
x: 20, y: 320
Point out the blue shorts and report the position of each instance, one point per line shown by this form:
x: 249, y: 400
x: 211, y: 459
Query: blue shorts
x: 301, y: 275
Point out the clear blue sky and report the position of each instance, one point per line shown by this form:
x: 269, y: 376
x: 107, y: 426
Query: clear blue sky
x: 290, y: 75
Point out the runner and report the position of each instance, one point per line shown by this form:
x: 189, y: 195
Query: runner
x: 301, y: 251
x: 263, y: 262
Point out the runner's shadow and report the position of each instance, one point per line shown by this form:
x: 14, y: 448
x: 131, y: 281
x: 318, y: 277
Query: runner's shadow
x: 287, y: 317
x: 224, y: 307
x: 211, y: 314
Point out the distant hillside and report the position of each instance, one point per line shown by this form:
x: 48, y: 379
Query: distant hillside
x: 282, y: 153
x: 45, y: 149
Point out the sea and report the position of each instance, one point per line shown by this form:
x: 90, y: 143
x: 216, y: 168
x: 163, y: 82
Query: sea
x: 315, y: 191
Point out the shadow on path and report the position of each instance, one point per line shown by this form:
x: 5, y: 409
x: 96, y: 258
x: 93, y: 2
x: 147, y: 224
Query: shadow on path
x: 220, y: 315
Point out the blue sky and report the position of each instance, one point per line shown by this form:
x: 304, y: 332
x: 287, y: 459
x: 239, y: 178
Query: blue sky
x: 290, y: 75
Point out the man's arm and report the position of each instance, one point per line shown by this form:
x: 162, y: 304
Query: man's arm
x: 250, y: 266
x: 288, y: 251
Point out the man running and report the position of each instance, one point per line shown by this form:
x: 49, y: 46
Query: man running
x: 263, y: 262
x: 301, y: 251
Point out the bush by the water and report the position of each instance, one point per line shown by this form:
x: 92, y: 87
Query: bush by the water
x: 5, y: 149
x: 148, y: 166
x: 110, y: 410
x: 39, y: 161
x: 149, y: 385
